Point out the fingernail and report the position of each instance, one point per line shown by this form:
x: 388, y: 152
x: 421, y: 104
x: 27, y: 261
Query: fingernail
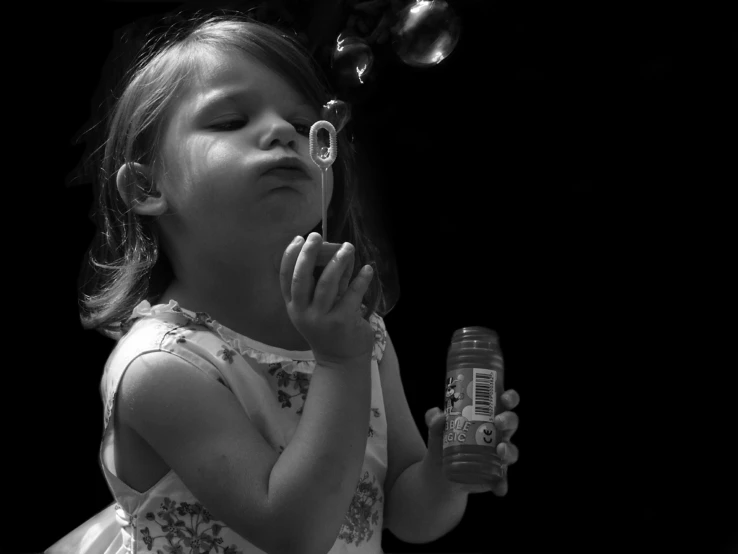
x: 297, y: 239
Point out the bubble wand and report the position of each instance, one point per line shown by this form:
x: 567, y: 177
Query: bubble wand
x: 317, y: 154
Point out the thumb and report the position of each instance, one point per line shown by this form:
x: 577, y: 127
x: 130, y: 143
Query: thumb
x: 435, y: 420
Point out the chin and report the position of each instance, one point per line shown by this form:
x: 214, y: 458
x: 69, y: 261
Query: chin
x: 317, y: 229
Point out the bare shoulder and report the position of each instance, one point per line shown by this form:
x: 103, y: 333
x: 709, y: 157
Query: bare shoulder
x: 156, y: 389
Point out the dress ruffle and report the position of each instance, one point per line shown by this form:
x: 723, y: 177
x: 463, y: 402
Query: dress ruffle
x: 103, y: 533
x: 236, y: 341
x: 239, y: 343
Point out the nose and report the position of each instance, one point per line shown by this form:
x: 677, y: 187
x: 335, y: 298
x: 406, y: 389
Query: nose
x: 278, y: 131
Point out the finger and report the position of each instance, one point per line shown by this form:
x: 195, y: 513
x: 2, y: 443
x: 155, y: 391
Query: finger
x: 287, y: 267
x: 435, y: 420
x: 327, y: 287
x: 510, y: 399
x: 356, y: 290
x: 507, y: 422
x: 429, y: 416
x: 346, y: 276
x: 475, y: 488
x: 500, y: 488
x: 302, y: 277
x: 326, y: 252
x: 508, y: 453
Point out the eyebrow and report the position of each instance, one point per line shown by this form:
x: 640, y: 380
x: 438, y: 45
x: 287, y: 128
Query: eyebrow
x: 232, y: 96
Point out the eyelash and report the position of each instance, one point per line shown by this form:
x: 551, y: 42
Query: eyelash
x: 228, y: 126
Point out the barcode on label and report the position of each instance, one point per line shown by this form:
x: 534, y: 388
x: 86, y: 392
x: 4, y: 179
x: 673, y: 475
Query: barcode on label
x: 484, y: 394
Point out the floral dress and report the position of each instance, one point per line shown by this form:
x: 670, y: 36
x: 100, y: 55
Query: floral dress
x: 271, y: 384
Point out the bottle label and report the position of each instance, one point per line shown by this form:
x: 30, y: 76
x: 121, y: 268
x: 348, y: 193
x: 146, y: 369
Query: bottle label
x: 470, y: 407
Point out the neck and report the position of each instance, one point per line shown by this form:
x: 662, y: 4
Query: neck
x: 255, y: 309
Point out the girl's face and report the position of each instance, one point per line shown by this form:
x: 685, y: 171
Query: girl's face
x: 234, y: 117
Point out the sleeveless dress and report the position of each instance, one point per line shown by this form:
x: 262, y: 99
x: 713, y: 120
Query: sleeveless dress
x: 271, y: 384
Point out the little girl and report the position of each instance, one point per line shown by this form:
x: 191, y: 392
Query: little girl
x: 212, y: 442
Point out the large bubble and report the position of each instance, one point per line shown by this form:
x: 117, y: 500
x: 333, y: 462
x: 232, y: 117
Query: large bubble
x: 425, y: 32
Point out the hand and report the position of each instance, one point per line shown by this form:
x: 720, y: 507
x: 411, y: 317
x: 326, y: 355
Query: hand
x: 334, y: 328
x: 506, y: 422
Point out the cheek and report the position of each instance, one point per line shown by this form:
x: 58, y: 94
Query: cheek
x: 210, y: 163
x: 215, y: 173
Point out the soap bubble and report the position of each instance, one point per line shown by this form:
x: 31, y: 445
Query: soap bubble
x: 425, y: 32
x: 323, y: 142
x: 337, y: 113
x: 352, y: 60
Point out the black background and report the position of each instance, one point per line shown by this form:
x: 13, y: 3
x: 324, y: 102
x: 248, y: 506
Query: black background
x: 566, y: 177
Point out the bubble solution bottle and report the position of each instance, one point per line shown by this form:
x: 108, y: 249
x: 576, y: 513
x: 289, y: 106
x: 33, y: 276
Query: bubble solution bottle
x: 474, y: 371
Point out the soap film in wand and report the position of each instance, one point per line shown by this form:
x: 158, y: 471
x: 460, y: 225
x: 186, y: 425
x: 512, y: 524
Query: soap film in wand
x: 323, y: 157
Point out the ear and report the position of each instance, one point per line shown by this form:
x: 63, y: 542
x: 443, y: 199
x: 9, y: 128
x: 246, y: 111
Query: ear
x: 128, y: 183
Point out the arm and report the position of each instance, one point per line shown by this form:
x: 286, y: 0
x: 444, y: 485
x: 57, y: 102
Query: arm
x: 325, y: 456
x: 415, y: 511
x: 229, y: 466
x: 422, y: 511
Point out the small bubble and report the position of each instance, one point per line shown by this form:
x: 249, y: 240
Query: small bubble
x: 337, y: 113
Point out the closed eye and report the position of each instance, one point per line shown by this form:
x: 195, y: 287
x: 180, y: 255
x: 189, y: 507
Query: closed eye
x: 231, y: 125
x: 236, y: 124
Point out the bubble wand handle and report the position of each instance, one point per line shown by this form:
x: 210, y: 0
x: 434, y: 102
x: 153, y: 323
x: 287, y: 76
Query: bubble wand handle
x: 323, y: 162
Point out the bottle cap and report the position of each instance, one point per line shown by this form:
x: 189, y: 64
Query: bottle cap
x: 476, y: 337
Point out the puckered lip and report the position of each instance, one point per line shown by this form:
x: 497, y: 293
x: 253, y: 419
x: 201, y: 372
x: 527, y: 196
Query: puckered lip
x: 285, y: 162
